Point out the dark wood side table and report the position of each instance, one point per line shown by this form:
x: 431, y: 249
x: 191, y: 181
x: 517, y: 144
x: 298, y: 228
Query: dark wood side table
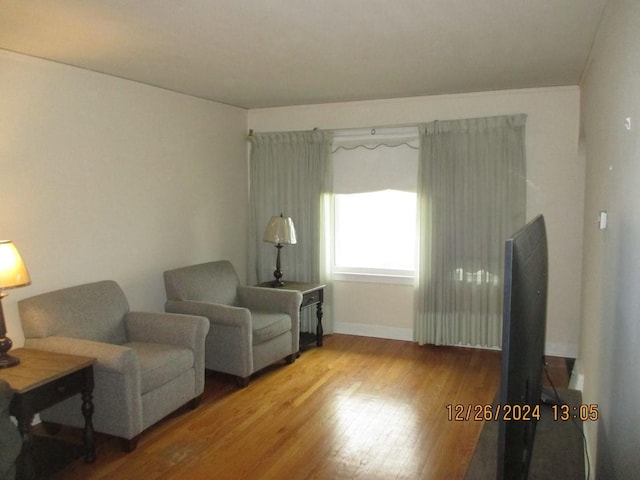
x: 41, y: 380
x: 312, y: 294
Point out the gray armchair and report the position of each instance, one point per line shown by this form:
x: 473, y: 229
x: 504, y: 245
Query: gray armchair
x: 148, y: 364
x: 251, y: 327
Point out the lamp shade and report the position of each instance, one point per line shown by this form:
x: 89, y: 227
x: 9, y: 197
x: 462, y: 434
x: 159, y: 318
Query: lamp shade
x: 280, y: 230
x: 13, y: 272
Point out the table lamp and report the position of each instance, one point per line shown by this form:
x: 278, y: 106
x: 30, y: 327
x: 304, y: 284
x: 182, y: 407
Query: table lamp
x: 280, y: 231
x: 13, y: 274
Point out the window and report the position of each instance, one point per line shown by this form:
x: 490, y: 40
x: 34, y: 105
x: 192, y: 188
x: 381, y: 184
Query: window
x: 375, y: 232
x: 374, y: 218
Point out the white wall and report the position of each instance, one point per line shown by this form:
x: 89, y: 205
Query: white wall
x: 610, y: 340
x: 556, y: 188
x: 103, y: 178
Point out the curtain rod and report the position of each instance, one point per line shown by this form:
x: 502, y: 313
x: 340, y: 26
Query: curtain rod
x: 371, y: 130
x: 403, y: 133
x: 315, y: 129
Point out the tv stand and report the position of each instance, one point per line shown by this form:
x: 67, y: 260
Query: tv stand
x: 558, y: 450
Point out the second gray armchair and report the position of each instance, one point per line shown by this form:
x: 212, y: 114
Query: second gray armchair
x: 251, y: 327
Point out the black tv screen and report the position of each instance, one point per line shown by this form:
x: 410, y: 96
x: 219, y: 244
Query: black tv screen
x: 523, y: 337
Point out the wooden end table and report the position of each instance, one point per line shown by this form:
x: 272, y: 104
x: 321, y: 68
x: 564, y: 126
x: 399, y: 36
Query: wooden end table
x: 312, y: 294
x: 41, y: 380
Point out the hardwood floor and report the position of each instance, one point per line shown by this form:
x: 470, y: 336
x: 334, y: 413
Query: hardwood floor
x: 356, y: 408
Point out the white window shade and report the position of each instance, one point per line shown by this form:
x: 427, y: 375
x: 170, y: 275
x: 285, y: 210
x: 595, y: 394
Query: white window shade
x: 375, y: 163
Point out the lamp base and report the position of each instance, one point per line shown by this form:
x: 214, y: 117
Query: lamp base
x: 7, y: 361
x: 277, y: 273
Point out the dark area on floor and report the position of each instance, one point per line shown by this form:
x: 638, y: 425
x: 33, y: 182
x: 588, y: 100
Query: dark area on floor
x: 54, y: 452
x: 558, y: 449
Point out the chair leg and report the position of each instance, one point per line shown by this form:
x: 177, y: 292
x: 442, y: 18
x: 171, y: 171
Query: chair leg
x: 129, y: 444
x: 291, y: 358
x: 243, y: 381
x: 193, y: 404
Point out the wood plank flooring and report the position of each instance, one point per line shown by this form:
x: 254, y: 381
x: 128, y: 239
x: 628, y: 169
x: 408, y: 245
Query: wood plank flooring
x: 356, y: 408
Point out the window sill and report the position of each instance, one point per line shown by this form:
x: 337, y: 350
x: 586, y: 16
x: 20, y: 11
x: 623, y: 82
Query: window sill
x: 372, y: 278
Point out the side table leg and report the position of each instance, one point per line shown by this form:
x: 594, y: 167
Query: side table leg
x: 87, y: 412
x: 319, y: 329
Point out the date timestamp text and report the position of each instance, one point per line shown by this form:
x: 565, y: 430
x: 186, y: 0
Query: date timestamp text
x: 487, y: 412
x: 585, y: 412
x: 515, y: 413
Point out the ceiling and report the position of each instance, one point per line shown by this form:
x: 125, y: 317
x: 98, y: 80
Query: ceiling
x: 253, y: 53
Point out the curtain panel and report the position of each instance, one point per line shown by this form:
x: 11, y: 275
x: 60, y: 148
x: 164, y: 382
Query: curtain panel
x: 290, y: 173
x: 471, y: 197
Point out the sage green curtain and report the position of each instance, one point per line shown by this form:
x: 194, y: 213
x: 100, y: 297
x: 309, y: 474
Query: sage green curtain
x: 290, y: 173
x: 471, y: 197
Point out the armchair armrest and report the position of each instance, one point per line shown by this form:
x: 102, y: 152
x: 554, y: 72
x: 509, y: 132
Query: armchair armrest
x: 270, y: 300
x: 168, y: 328
x: 230, y: 331
x: 274, y: 300
x: 108, y: 356
x: 187, y: 331
x: 216, y: 313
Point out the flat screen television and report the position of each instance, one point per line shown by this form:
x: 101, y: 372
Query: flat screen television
x: 523, y: 337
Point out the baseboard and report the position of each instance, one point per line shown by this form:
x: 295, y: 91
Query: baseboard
x: 377, y: 331
x: 576, y: 382
x: 565, y: 350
